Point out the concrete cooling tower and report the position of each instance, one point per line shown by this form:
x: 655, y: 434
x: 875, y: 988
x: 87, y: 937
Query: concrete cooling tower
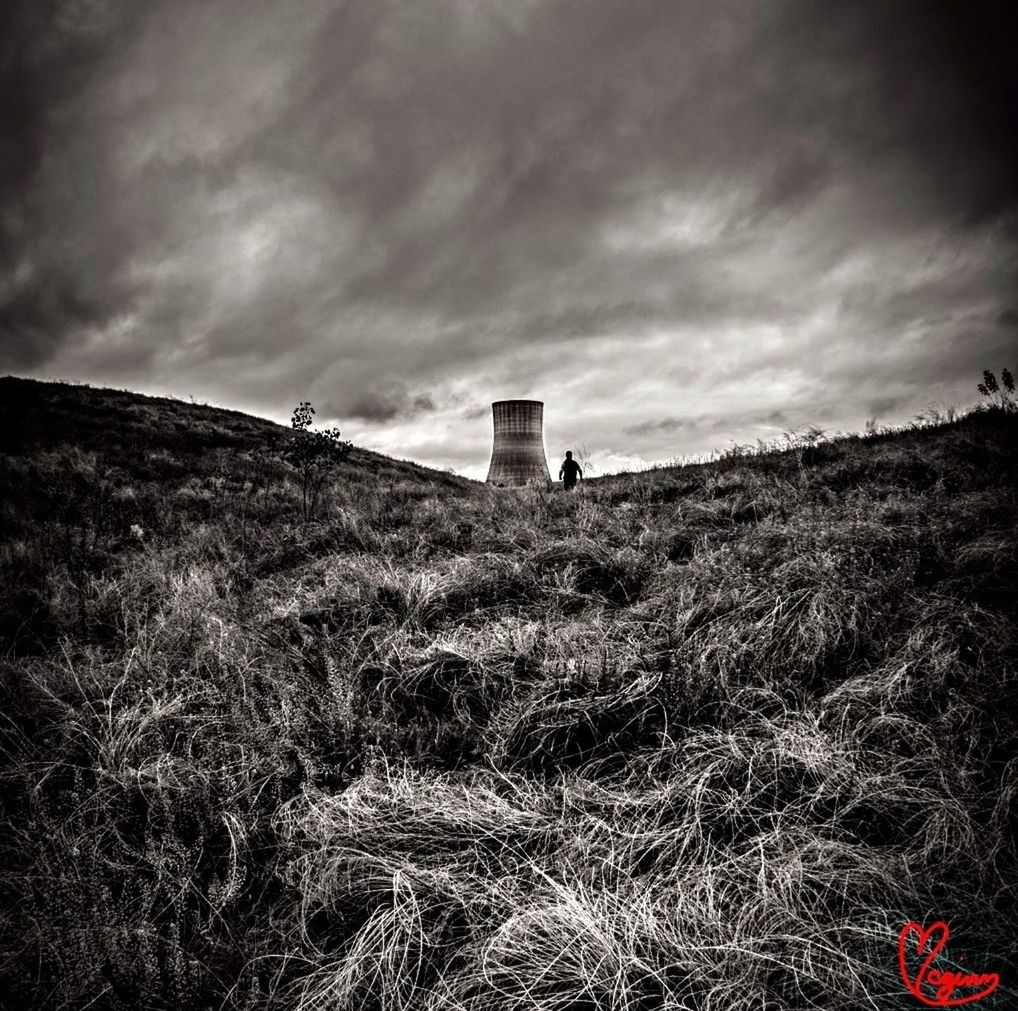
x: 517, y: 453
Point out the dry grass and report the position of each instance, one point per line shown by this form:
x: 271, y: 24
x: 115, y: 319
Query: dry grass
x: 700, y: 738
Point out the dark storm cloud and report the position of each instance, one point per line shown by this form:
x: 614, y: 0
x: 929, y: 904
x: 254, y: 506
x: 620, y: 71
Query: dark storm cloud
x: 382, y: 403
x: 710, y: 422
x: 661, y: 425
x: 405, y: 211
x: 54, y: 280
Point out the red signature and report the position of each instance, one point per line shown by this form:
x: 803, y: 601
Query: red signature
x: 934, y: 987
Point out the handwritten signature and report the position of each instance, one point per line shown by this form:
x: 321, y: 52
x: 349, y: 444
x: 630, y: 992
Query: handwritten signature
x: 935, y: 987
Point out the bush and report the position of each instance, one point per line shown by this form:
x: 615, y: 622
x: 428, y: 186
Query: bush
x: 1000, y: 394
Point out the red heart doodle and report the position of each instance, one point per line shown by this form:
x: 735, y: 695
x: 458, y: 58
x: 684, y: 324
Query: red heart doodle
x: 942, y: 984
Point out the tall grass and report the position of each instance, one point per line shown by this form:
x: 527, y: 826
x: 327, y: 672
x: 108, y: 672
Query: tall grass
x: 698, y: 738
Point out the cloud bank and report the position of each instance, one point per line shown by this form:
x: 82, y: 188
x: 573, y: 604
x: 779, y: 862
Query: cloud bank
x: 678, y: 223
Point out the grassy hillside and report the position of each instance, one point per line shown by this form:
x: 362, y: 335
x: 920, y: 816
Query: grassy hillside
x: 701, y: 738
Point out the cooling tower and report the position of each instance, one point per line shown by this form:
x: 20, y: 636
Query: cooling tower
x: 517, y: 453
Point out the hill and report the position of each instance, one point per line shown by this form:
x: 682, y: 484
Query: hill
x: 703, y: 737
x: 120, y: 425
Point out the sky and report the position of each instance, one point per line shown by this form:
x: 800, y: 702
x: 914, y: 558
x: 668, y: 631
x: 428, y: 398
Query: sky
x: 679, y: 224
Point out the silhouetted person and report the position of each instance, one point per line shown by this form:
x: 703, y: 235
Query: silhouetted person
x: 569, y: 470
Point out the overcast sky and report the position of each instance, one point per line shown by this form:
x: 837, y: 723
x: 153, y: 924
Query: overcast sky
x: 680, y: 224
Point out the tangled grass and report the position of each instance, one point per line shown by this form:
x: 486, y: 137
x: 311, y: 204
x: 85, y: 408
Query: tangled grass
x: 700, y: 738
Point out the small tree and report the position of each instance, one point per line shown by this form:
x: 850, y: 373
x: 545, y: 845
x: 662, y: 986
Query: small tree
x: 1000, y: 394
x: 314, y: 455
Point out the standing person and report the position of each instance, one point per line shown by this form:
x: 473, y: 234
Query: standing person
x: 569, y: 470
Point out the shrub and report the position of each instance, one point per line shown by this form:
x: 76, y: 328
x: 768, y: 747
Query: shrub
x: 1000, y: 394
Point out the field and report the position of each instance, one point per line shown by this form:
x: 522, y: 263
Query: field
x: 700, y: 738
